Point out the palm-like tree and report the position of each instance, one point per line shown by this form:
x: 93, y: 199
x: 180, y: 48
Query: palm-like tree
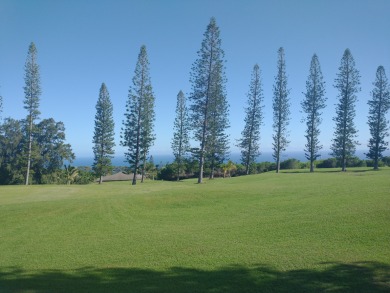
x: 71, y: 174
x: 228, y: 168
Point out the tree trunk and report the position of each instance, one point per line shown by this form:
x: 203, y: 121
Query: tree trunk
x: 201, y: 160
x: 312, y: 166
x: 179, y: 164
x: 376, y: 165
x: 29, y: 152
x: 344, y: 164
x: 143, y: 168
x: 101, y: 179
x: 212, y: 167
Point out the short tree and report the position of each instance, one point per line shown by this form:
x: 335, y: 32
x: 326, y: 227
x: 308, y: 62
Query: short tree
x: 103, y: 138
x: 228, y: 168
x: 312, y: 105
x: 32, y: 91
x: 181, y: 130
x: 12, y: 163
x: 281, y: 110
x: 70, y: 173
x: 379, y: 105
x: 49, y: 152
x: 249, y: 142
x: 51, y: 149
x: 347, y: 83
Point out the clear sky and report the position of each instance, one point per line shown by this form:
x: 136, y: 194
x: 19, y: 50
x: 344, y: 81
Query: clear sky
x: 82, y: 43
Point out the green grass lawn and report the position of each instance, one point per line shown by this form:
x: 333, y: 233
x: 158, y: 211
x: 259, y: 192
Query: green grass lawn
x: 289, y: 232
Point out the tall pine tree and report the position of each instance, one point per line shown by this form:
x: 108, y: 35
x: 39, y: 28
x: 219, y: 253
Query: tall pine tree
x: 281, y: 110
x: 103, y: 138
x: 137, y: 132
x: 249, y: 143
x: 32, y: 92
x: 379, y: 105
x: 181, y: 130
x: 312, y: 105
x: 209, y: 108
x: 347, y: 83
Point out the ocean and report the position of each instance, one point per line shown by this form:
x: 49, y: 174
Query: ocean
x: 164, y: 159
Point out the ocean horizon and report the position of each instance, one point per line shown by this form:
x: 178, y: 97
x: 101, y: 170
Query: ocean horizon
x: 163, y: 159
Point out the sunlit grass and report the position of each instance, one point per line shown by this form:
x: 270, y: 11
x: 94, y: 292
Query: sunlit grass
x: 286, y: 223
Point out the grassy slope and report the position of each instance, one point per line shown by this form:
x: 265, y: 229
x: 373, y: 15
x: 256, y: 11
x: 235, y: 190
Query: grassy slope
x: 292, y: 232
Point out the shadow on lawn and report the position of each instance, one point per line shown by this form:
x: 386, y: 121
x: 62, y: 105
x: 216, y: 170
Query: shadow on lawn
x: 324, y: 170
x: 333, y: 277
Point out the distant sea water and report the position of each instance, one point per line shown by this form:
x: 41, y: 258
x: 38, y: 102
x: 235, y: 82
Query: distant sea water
x: 235, y: 157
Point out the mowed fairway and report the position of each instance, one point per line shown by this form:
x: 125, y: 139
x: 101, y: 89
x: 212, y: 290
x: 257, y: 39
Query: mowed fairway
x: 288, y: 232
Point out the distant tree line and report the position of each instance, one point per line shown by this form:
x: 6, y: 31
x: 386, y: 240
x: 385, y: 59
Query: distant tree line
x: 208, y: 110
x: 230, y: 169
x: 34, y: 150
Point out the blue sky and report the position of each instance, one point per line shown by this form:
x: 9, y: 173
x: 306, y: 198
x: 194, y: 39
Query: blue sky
x: 83, y: 43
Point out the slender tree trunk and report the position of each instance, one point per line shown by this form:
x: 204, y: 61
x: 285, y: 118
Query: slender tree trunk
x: 249, y: 150
x: 180, y: 151
x: 344, y: 155
x: 137, y: 150
x: 203, y: 142
x: 344, y: 163
x: 247, y: 167
x: 178, y: 168
x: 212, y: 167
x: 202, y: 145
x: 101, y: 179
x: 136, y: 163
x: 278, y: 148
x: 376, y: 159
x: 29, y: 151
x: 312, y: 151
x: 201, y: 161
x: 376, y: 165
x: 143, y: 168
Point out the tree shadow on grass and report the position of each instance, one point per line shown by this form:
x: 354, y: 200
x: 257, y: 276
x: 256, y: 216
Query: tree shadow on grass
x: 360, y: 277
x: 349, y: 170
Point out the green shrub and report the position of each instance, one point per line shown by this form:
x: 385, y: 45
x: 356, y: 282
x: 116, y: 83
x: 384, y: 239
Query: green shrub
x: 290, y: 164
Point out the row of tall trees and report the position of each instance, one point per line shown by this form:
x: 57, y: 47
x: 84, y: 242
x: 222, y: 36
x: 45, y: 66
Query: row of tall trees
x: 32, y: 145
x: 209, y: 109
